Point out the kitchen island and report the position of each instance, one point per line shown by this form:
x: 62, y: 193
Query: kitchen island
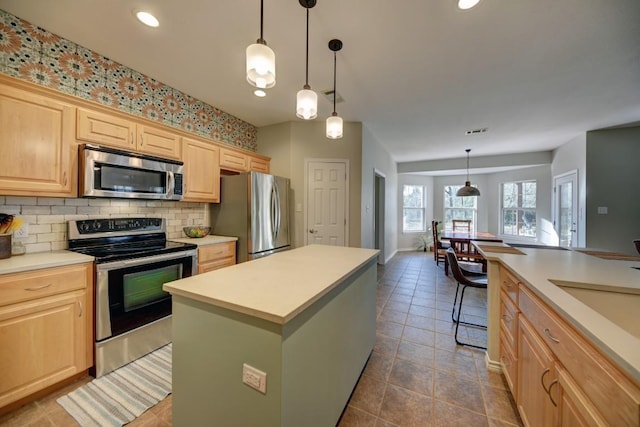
x: 304, y: 317
x: 564, y: 327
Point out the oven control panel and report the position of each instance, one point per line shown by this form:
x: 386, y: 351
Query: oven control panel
x: 92, y: 226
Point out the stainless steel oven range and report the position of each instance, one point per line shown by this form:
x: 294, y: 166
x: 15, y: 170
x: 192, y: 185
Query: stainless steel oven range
x: 133, y: 259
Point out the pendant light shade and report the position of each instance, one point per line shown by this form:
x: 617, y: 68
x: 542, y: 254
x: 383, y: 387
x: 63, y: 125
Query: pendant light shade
x: 307, y: 100
x: 468, y: 190
x: 334, y: 126
x: 261, y: 61
x: 334, y: 123
x: 307, y: 104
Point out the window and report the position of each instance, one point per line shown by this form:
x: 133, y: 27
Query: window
x: 458, y: 207
x: 413, y: 207
x: 518, y: 215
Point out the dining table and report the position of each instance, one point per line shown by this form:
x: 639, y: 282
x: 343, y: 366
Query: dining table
x: 465, y: 251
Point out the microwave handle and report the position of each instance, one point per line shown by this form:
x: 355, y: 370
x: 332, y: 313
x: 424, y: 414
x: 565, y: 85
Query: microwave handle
x: 171, y: 183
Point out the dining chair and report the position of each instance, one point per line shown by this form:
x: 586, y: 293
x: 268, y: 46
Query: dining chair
x: 439, y: 247
x: 464, y: 279
x: 461, y: 225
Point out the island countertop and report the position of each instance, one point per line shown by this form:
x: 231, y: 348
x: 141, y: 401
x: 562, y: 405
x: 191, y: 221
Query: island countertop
x: 543, y: 270
x: 278, y: 287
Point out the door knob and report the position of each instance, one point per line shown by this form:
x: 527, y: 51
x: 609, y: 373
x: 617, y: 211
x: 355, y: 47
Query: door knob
x: 312, y: 231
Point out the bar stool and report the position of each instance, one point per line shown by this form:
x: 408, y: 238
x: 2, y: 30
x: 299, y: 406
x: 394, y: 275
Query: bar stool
x: 479, y: 281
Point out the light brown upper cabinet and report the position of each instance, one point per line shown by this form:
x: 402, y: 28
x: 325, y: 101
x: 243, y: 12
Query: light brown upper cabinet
x: 118, y: 132
x: 38, y: 155
x: 258, y: 164
x: 238, y: 161
x: 201, y: 171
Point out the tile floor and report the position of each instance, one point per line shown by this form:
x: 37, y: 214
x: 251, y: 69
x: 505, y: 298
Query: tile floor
x: 416, y: 375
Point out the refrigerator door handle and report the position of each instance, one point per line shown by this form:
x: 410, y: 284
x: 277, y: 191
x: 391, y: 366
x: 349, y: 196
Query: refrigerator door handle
x: 274, y: 213
x: 278, y: 207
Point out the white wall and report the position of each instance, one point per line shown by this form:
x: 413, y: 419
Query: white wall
x: 569, y: 157
x: 409, y: 241
x: 376, y: 158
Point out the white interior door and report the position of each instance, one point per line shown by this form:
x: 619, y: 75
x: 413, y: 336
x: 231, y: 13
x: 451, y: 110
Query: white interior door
x: 326, y: 203
x: 565, y: 207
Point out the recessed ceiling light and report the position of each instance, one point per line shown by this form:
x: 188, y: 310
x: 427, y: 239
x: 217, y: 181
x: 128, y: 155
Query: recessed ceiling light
x: 467, y: 4
x: 260, y: 93
x: 146, y: 18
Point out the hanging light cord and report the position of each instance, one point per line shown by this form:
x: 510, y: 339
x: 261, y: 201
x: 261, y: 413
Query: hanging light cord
x: 261, y: 40
x: 468, y: 163
x: 334, y: 84
x: 306, y: 82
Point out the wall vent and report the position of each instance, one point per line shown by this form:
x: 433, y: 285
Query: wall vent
x: 329, y: 95
x: 476, y: 131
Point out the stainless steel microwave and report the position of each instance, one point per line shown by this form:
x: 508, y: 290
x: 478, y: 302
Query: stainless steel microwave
x: 108, y: 172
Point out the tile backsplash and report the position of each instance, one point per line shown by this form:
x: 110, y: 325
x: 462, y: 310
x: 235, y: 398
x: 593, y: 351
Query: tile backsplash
x: 47, y: 217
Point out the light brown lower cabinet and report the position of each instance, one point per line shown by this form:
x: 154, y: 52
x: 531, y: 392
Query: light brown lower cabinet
x: 213, y: 257
x: 46, y: 319
x: 560, y: 378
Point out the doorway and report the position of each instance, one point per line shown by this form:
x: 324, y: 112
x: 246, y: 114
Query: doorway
x: 565, y: 208
x: 378, y: 214
x: 327, y: 202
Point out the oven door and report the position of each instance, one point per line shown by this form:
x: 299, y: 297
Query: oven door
x: 129, y: 293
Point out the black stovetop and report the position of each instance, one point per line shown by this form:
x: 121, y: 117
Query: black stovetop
x: 117, y: 239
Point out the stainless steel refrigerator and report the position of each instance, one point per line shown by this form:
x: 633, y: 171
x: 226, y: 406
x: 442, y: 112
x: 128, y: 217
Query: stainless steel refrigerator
x: 254, y: 207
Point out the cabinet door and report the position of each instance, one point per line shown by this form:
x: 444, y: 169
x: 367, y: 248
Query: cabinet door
x: 42, y: 342
x: 105, y: 129
x: 158, y: 142
x: 258, y: 165
x: 232, y: 160
x: 575, y: 409
x: 201, y: 171
x: 38, y: 155
x: 535, y: 374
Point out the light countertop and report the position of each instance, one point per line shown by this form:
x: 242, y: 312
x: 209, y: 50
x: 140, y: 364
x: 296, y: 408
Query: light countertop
x: 206, y: 240
x: 540, y: 268
x: 278, y: 287
x: 27, y: 262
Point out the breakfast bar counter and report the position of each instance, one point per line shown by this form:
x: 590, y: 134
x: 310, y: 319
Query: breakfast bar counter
x: 304, y: 318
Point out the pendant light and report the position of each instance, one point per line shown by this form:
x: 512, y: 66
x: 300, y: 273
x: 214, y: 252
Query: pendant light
x: 261, y: 61
x: 334, y: 123
x: 307, y: 100
x: 468, y: 190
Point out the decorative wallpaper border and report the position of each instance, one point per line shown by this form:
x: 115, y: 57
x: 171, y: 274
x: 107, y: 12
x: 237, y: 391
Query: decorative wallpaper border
x: 34, y: 54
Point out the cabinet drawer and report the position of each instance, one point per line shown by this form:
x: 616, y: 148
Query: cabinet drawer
x: 508, y: 319
x: 214, y: 265
x: 509, y: 362
x: 612, y: 393
x: 509, y: 284
x: 41, y: 283
x: 215, y: 252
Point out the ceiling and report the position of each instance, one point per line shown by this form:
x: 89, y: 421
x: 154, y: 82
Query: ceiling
x: 416, y: 73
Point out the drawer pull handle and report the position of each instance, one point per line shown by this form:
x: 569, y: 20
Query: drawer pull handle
x: 37, y: 288
x: 554, y: 382
x: 546, y: 371
x: 80, y: 307
x: 551, y: 337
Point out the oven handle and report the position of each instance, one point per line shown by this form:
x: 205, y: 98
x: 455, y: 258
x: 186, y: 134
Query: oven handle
x: 146, y: 260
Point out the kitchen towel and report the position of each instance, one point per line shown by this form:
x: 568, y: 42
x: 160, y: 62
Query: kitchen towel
x: 123, y: 395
